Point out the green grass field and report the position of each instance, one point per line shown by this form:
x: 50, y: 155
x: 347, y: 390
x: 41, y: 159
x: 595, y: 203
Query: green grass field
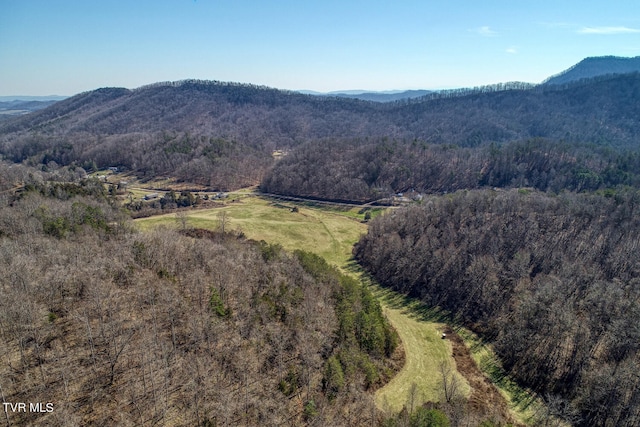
x: 324, y: 232
x: 411, y: 318
x: 425, y: 351
x: 331, y: 233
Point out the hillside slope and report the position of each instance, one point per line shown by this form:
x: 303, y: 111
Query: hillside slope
x: 114, y: 327
x: 222, y: 135
x: 594, y: 67
x: 596, y: 109
x: 550, y: 281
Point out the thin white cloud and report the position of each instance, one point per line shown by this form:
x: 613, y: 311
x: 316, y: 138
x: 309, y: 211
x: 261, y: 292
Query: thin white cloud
x: 512, y: 50
x: 485, y: 31
x: 608, y: 30
x: 553, y: 25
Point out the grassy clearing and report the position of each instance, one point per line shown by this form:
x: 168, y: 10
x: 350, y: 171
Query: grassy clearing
x: 355, y: 212
x: 327, y: 234
x: 425, y: 351
x: 523, y: 404
x: 331, y: 233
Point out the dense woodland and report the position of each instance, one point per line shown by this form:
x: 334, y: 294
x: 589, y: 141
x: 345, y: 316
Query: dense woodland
x: 222, y: 135
x: 374, y: 169
x: 187, y: 327
x: 550, y: 281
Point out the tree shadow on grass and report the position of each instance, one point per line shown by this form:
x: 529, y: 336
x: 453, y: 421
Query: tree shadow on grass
x: 521, y: 399
x: 410, y: 306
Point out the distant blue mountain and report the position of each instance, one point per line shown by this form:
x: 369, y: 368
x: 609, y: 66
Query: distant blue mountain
x: 15, y: 106
x: 585, y: 69
x: 32, y: 98
x: 594, y: 67
x: 382, y: 96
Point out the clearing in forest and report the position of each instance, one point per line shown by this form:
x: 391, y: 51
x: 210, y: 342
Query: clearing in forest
x: 426, y: 355
x: 331, y: 233
x: 327, y: 233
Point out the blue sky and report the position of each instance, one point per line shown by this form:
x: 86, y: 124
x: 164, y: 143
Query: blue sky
x: 66, y: 47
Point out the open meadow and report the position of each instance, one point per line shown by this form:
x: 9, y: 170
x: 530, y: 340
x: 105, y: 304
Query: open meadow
x: 331, y: 233
x: 426, y: 353
x: 324, y: 232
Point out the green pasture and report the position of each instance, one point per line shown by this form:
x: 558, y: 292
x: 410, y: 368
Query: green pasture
x: 425, y: 351
x: 418, y: 324
x: 326, y: 233
x: 331, y: 233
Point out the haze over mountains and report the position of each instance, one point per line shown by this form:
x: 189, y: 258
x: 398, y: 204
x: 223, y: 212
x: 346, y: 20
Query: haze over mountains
x: 385, y: 96
x: 18, y: 105
x: 587, y: 68
x: 15, y: 106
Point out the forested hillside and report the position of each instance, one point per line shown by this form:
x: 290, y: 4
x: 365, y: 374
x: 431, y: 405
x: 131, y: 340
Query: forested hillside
x: 222, y: 135
x: 594, y: 67
x: 115, y: 327
x: 550, y: 281
x: 373, y: 169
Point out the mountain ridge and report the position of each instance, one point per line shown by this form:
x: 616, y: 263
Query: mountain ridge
x: 587, y: 68
x: 270, y: 116
x: 594, y: 67
x: 375, y: 96
x: 223, y: 134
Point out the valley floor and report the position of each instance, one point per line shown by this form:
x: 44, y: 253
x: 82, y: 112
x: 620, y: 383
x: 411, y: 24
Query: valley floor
x: 331, y: 233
